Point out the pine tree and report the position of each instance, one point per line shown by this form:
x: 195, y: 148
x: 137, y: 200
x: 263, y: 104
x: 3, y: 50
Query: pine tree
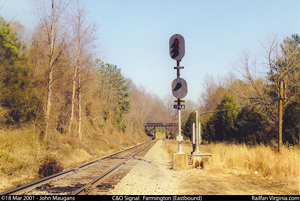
x: 290, y: 126
x: 188, y: 125
x: 18, y: 96
x: 224, y: 121
x: 286, y: 68
x: 208, y: 128
x: 114, y: 86
x: 252, y: 126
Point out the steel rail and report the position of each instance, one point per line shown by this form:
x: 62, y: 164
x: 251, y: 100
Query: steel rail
x: 88, y: 187
x: 32, y: 185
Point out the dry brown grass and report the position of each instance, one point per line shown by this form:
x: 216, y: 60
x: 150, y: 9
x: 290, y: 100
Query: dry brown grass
x: 239, y: 169
x: 263, y: 159
x: 22, y: 152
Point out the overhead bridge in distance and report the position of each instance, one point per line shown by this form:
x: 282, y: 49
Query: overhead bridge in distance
x: 167, y: 126
x: 160, y: 124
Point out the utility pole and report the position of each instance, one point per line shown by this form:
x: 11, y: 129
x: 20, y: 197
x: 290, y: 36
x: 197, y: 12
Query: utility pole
x: 280, y: 118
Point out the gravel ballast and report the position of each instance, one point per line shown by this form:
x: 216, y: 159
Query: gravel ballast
x: 151, y: 176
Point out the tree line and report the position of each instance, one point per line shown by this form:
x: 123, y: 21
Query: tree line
x: 55, y: 83
x: 257, y: 122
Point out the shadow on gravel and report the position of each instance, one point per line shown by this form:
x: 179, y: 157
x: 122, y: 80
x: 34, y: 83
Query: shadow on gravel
x: 140, y: 159
x: 170, y: 166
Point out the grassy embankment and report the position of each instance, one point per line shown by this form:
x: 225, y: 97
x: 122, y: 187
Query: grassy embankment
x: 263, y: 159
x: 23, y: 154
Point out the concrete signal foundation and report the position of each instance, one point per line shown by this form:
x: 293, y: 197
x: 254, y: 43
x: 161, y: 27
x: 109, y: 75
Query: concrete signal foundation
x: 180, y: 160
x: 200, y: 160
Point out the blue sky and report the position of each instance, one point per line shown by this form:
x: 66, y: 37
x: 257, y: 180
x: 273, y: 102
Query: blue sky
x: 134, y: 35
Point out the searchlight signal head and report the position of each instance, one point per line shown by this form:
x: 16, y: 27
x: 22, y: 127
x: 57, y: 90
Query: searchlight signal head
x: 176, y: 47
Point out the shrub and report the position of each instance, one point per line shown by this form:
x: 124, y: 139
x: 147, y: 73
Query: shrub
x: 49, y: 167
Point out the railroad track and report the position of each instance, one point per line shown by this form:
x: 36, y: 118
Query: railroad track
x: 93, y: 178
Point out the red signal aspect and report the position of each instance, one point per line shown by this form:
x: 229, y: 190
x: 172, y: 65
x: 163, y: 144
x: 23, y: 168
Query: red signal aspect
x: 176, y: 41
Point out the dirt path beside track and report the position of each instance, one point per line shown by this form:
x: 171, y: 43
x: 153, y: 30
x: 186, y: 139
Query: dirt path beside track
x: 220, y: 181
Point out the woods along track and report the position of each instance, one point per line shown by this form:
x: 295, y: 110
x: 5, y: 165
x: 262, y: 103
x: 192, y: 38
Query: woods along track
x: 96, y: 177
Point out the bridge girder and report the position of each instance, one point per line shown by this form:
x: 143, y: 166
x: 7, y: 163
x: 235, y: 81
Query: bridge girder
x: 164, y: 125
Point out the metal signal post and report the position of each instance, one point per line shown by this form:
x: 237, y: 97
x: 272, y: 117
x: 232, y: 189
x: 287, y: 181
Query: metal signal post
x: 179, y: 85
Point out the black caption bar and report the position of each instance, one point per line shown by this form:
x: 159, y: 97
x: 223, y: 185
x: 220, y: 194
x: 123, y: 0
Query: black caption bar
x: 148, y: 197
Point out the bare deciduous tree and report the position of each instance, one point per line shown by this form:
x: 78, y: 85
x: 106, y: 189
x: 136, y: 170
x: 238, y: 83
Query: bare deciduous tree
x: 83, y: 48
x: 3, y: 4
x: 246, y: 66
x: 53, y: 21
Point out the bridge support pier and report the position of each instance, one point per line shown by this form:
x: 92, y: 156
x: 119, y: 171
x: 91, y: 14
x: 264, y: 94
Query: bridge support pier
x: 166, y: 133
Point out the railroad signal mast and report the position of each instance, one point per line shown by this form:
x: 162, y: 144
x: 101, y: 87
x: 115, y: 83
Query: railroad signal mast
x: 179, y: 85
